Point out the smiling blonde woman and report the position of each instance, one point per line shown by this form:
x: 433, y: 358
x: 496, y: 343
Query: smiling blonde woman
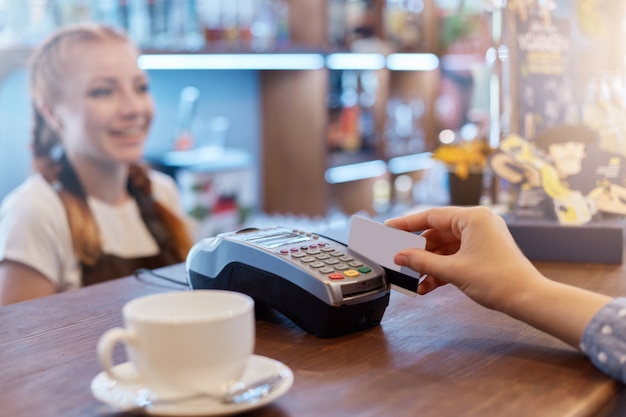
x: 91, y: 212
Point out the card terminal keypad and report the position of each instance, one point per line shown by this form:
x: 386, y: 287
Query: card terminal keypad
x: 327, y: 260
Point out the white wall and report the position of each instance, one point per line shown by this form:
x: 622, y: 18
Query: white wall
x: 15, y: 125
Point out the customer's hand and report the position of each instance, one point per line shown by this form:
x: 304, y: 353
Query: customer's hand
x: 470, y: 248
x: 473, y: 249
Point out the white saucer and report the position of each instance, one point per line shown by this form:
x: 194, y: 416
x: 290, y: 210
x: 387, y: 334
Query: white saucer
x: 123, y: 396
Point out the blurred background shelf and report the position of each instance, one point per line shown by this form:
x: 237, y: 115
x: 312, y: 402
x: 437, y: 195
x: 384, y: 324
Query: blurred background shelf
x: 324, y: 91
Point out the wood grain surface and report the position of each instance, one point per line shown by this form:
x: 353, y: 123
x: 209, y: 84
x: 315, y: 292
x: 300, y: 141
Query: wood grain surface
x: 437, y: 355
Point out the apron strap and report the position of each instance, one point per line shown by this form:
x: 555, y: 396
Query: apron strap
x: 109, y: 266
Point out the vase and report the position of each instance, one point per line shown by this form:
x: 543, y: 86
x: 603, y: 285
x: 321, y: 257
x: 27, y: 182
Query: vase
x: 465, y: 192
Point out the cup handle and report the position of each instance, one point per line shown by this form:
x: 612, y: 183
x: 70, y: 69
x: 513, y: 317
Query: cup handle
x: 105, y: 351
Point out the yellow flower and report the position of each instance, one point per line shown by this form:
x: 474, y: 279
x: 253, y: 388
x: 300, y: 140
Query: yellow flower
x: 464, y: 157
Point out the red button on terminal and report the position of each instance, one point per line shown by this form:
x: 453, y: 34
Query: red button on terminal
x: 336, y: 275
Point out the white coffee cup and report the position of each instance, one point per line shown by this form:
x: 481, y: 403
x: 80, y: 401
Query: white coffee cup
x: 183, y: 342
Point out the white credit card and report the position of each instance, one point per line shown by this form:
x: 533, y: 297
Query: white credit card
x: 380, y: 243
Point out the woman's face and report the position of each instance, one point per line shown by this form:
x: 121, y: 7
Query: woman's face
x: 105, y: 109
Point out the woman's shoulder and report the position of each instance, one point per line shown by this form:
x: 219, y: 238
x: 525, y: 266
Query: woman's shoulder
x: 33, y: 204
x: 34, y: 231
x: 34, y: 193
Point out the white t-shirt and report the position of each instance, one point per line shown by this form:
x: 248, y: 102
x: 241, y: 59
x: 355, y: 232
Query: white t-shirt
x: 34, y: 229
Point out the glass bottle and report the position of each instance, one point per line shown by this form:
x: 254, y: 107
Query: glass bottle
x: 245, y: 15
x: 403, y: 23
x: 210, y: 18
x: 73, y: 11
x: 368, y: 81
x: 187, y: 105
x: 351, y: 111
x: 336, y: 29
x: 159, y: 11
x: 25, y: 22
x: 281, y: 17
x: 230, y: 24
x: 263, y: 27
x: 193, y: 38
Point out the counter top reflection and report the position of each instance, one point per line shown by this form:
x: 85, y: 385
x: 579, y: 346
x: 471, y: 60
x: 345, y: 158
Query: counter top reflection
x: 437, y: 355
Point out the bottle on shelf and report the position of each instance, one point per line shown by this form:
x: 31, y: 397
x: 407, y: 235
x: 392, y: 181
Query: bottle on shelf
x: 182, y: 26
x: 351, y: 112
x: 360, y: 21
x: 230, y: 26
x: 403, y: 24
x: 72, y: 11
x: 26, y: 23
x: 336, y: 26
x: 244, y: 23
x: 138, y: 21
x: 369, y: 85
x: 159, y: 11
x: 245, y: 16
x: 280, y: 9
x: 210, y: 18
x: 187, y: 105
x: 264, y: 27
x: 404, y: 134
x: 351, y: 103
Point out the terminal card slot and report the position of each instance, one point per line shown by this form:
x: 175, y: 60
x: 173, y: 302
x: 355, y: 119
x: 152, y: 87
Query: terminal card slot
x: 360, y: 287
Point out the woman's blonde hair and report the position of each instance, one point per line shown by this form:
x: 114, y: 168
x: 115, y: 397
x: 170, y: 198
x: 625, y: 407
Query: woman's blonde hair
x: 47, y: 68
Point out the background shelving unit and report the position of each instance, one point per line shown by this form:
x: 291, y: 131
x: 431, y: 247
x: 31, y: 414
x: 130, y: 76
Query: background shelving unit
x: 294, y: 156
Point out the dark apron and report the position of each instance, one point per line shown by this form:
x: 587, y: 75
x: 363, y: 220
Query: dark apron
x: 110, y: 267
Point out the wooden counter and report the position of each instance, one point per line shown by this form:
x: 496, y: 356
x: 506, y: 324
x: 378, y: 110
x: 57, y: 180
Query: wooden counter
x: 436, y: 355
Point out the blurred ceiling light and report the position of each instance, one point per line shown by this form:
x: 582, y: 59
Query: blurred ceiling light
x: 412, y: 62
x: 410, y: 163
x: 355, y: 61
x: 231, y: 61
x: 354, y: 172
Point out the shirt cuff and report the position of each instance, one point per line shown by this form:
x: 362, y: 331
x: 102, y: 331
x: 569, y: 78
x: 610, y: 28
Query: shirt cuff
x: 604, y: 339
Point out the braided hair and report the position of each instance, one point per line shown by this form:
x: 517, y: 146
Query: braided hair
x: 46, y: 68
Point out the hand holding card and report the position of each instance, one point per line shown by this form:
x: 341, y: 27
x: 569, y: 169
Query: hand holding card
x: 380, y: 243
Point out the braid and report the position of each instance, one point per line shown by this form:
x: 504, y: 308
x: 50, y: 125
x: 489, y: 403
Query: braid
x: 176, y: 233
x: 47, y: 66
x: 83, y: 228
x: 44, y: 140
